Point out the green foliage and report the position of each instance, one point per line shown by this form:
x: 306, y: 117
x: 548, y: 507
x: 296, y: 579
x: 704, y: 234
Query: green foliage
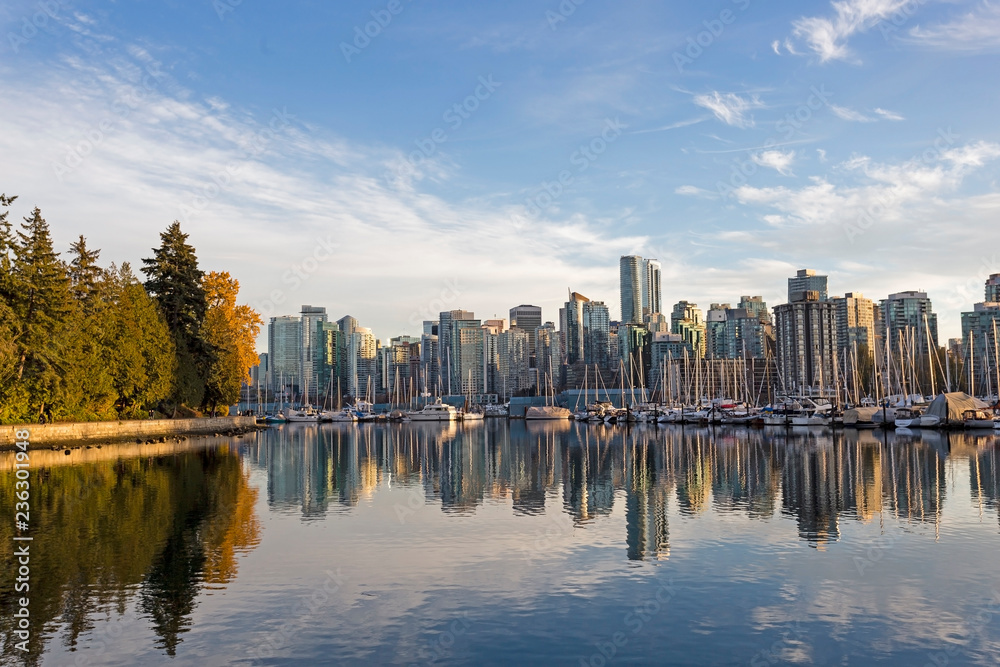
x: 174, y: 280
x: 79, y: 342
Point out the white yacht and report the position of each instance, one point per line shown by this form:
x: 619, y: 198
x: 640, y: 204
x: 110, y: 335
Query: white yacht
x: 435, y: 412
x: 306, y: 414
x: 344, y: 415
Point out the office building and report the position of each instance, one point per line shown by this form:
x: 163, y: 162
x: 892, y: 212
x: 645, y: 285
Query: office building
x: 527, y: 318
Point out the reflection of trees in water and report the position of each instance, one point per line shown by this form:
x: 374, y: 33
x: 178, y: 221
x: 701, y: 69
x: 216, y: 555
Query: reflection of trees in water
x: 167, y: 525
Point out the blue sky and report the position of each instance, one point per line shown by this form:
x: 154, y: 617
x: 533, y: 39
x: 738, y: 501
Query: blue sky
x: 482, y: 156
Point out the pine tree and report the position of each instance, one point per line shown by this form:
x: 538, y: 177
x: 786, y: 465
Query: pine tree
x: 84, y: 272
x: 175, y: 282
x: 9, y: 356
x: 41, y: 305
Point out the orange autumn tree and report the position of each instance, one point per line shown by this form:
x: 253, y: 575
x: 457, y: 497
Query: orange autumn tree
x: 231, y: 332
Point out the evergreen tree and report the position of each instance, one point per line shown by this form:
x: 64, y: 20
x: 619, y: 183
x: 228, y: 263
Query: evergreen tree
x: 175, y: 282
x: 9, y: 357
x: 84, y: 272
x: 41, y: 303
x: 137, y: 347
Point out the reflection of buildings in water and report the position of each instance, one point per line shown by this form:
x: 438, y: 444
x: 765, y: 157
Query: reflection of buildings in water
x: 813, y: 487
x: 984, y: 478
x: 647, y: 487
x: 589, y: 472
x: 914, y: 475
x: 745, y: 474
x: 528, y: 461
x: 692, y: 461
x: 820, y: 474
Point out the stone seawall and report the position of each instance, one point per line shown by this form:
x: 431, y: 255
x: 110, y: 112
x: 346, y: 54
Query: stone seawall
x: 93, y: 432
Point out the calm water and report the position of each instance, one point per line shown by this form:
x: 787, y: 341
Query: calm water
x: 522, y: 544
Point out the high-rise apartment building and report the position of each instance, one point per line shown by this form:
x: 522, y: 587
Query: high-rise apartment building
x: 687, y: 321
x: 448, y: 346
x: 856, y: 317
x: 549, y: 356
x: 806, y: 331
x: 284, y: 349
x: 639, y: 281
x: 908, y: 319
x: 806, y: 280
x: 980, y: 346
x: 309, y: 378
x: 513, y: 354
x: 596, y: 334
x: 362, y: 362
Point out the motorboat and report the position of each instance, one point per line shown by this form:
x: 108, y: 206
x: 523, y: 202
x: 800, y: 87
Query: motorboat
x: 278, y: 418
x: 978, y: 419
x: 306, y: 414
x: 907, y: 418
x: 472, y: 416
x: 434, y: 412
x: 344, y: 415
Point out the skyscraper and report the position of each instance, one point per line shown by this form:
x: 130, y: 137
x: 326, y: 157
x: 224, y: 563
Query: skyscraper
x: 855, y: 322
x: 651, y: 297
x: 596, y: 334
x: 632, y: 275
x: 362, y: 361
x: 980, y: 330
x: 447, y: 347
x: 513, y: 356
x: 806, y: 280
x: 309, y: 378
x: 806, y: 331
x: 527, y: 318
x: 284, y: 344
x: 908, y: 317
x: 686, y: 320
x: 550, y: 355
x: 640, y: 288
x: 574, y: 328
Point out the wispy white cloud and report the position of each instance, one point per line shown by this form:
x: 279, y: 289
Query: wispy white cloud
x: 672, y: 126
x: 828, y: 36
x: 850, y: 114
x: 730, y: 108
x: 978, y: 30
x: 260, y: 213
x: 888, y: 115
x: 859, y: 117
x: 780, y: 161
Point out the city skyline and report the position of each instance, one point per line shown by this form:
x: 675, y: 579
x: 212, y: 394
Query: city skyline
x: 735, y: 143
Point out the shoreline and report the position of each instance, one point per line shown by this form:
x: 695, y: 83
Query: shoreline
x: 140, y: 431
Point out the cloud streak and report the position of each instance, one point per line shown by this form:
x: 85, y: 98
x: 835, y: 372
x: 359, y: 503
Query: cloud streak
x: 827, y: 37
x: 730, y: 108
